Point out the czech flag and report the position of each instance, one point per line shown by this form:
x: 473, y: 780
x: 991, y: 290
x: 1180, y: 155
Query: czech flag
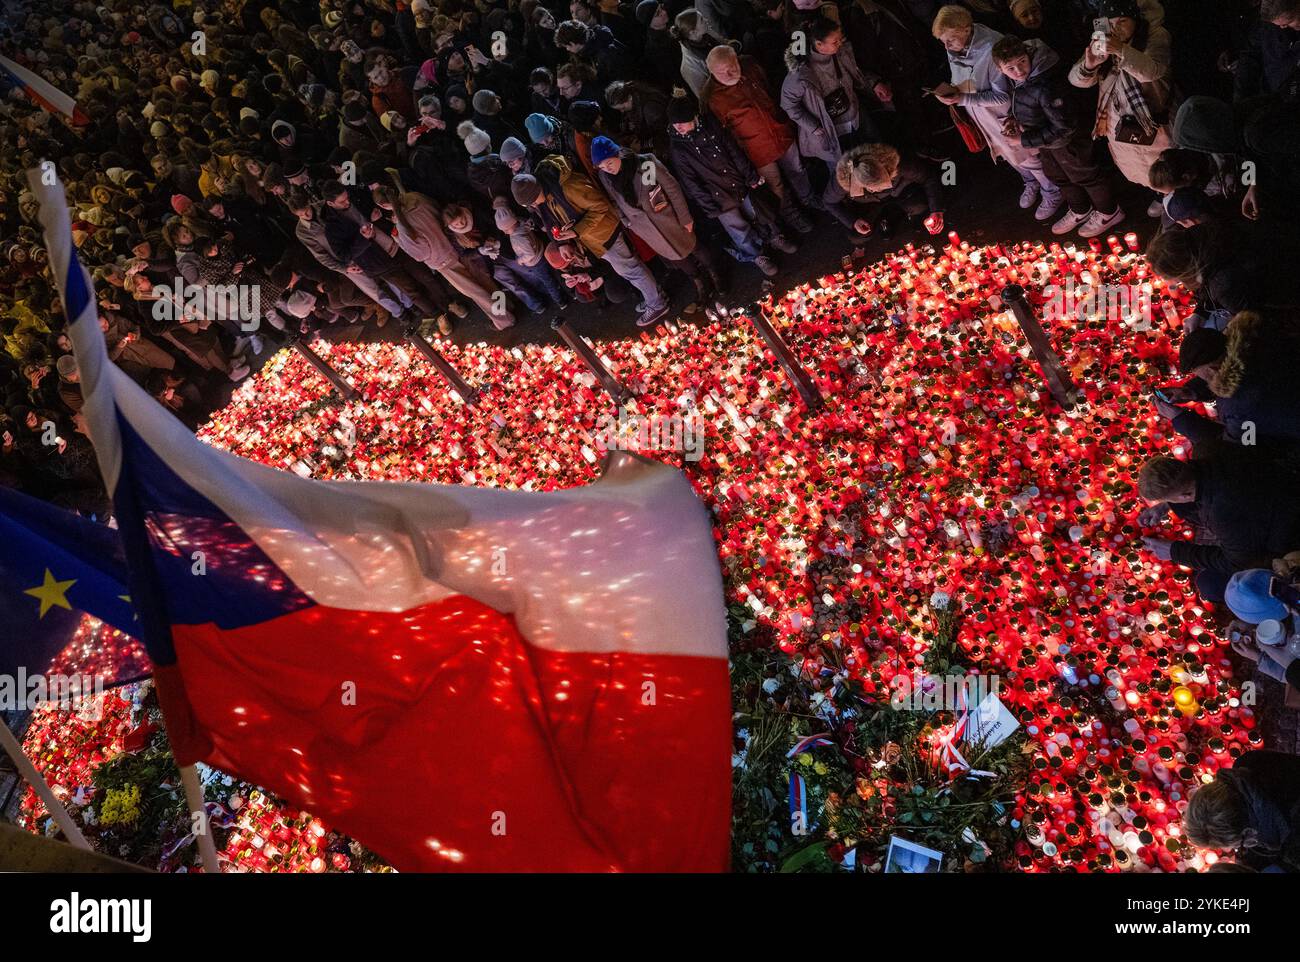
x: 41, y: 92
x: 460, y: 678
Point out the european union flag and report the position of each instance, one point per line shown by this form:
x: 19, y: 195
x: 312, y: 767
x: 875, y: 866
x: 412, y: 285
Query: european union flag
x: 54, y: 567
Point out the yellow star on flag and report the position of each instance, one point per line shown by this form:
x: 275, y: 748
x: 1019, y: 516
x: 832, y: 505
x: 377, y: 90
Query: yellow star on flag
x: 51, y: 593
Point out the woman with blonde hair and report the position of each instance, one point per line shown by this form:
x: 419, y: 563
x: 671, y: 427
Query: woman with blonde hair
x: 976, y: 101
x: 878, y: 183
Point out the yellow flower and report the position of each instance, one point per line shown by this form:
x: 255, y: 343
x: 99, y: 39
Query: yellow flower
x: 121, y: 806
x: 805, y: 759
x: 820, y: 768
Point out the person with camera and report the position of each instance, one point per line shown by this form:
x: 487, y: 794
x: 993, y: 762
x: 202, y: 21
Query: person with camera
x: 1127, y: 60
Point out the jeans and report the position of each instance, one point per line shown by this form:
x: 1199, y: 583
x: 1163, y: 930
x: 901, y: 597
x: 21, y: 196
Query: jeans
x: 631, y: 268
x: 390, y: 297
x: 529, y: 284
x: 787, y: 171
x: 739, y: 225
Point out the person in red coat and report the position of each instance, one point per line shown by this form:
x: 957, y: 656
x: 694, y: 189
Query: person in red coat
x: 737, y: 94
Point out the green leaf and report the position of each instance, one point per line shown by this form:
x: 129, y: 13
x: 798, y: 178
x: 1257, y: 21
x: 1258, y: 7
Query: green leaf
x: 803, y: 857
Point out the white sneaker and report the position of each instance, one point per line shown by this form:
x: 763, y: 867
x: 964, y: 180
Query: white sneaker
x: 1070, y: 221
x: 1051, y: 203
x: 1155, y: 208
x: 1029, y: 196
x: 1099, y: 223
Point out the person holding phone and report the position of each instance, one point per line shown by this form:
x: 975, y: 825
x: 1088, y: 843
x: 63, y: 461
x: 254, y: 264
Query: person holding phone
x: 1127, y: 60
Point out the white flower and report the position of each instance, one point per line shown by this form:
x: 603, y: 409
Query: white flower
x: 939, y: 600
x: 771, y: 684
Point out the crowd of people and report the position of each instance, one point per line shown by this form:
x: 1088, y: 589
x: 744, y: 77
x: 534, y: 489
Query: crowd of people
x: 354, y: 164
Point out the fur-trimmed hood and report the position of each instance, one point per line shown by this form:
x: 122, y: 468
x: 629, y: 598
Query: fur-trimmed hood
x: 1245, y: 333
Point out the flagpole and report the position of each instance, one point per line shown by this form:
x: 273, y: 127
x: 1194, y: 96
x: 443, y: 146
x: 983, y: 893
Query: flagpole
x: 38, y: 782
x: 200, y: 826
x: 189, y: 743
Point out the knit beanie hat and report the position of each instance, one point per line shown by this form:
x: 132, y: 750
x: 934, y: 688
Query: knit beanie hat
x: 476, y: 141
x: 602, y: 148
x: 681, y: 110
x: 505, y: 218
x: 539, y: 127
x: 584, y: 115
x: 485, y: 102
x: 512, y: 149
x: 525, y: 189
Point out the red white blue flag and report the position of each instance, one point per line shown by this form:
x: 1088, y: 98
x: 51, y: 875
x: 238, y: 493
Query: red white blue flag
x: 41, y: 92
x: 460, y: 678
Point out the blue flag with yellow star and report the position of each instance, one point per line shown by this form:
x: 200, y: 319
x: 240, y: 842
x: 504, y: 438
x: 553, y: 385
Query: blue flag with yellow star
x: 56, y: 566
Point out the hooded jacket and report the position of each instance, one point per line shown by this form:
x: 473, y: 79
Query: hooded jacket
x: 1039, y: 104
x: 489, y: 175
x: 571, y: 201
x: 1265, y: 131
x: 1255, y: 383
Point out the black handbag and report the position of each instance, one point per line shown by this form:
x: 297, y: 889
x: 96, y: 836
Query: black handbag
x: 1131, y: 131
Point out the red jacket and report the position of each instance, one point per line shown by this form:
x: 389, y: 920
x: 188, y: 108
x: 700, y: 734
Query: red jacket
x: 396, y: 96
x: 748, y: 111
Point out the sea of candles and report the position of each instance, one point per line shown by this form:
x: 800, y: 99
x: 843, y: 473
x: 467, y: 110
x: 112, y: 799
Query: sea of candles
x: 938, y: 463
x: 259, y: 833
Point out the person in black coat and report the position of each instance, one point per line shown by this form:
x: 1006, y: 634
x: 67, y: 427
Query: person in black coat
x: 595, y: 45
x: 1249, y: 374
x: 1252, y: 808
x: 1239, y: 495
x: 1270, y: 62
x: 661, y: 57
x: 890, y: 42
x: 1263, y: 130
x: 718, y: 180
x: 1232, y: 267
